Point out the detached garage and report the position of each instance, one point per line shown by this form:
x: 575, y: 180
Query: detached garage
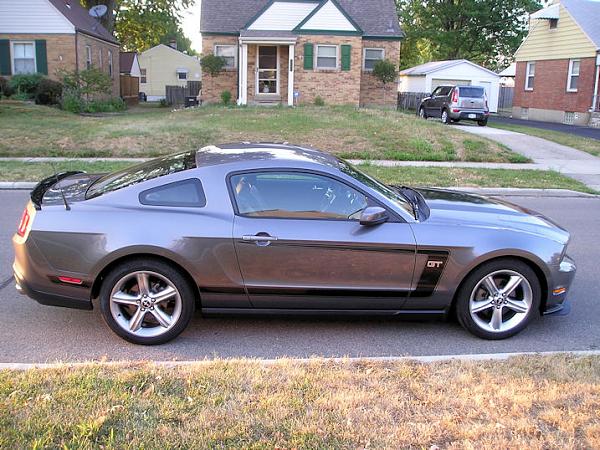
x: 428, y: 76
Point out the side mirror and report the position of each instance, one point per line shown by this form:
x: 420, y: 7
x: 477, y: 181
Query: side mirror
x: 373, y: 215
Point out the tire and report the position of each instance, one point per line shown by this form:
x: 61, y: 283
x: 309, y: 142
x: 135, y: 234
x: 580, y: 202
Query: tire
x: 473, y: 294
x: 422, y: 113
x: 165, y: 295
x: 445, y: 117
x: 482, y: 123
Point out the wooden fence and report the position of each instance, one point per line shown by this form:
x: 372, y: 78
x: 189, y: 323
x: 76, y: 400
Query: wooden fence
x: 176, y: 94
x: 505, y: 100
x: 410, y: 100
x: 130, y: 89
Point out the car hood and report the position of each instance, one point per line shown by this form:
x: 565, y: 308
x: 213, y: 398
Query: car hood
x: 470, y: 210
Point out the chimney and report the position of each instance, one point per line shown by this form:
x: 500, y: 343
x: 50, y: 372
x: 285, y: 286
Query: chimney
x: 173, y: 44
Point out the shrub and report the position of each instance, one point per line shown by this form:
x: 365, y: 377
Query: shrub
x: 319, y: 101
x: 114, y: 104
x: 5, y: 89
x: 25, y: 84
x: 87, y: 83
x: 226, y: 97
x: 212, y: 64
x: 385, y: 71
x: 72, y: 102
x: 164, y: 102
x: 48, y: 92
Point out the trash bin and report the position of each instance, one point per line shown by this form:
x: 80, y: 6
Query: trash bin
x: 142, y: 97
x: 191, y: 101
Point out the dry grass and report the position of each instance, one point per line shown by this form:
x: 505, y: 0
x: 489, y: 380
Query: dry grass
x: 527, y: 402
x: 29, y: 130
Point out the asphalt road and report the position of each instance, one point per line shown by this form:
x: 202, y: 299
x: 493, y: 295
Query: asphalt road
x: 586, y: 132
x: 30, y: 332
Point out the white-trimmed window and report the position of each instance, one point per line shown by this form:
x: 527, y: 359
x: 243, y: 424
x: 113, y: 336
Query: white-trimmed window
x: 371, y: 56
x: 23, y: 57
x: 110, y: 63
x: 228, y: 53
x: 529, y: 76
x: 327, y: 57
x: 182, y: 74
x: 143, y: 76
x: 100, y: 62
x: 88, y: 57
x: 573, y: 78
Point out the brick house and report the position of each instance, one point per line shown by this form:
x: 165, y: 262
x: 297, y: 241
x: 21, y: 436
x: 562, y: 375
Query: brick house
x: 558, y: 65
x: 291, y: 51
x: 45, y: 36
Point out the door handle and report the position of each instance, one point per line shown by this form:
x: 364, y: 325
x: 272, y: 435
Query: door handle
x: 258, y: 238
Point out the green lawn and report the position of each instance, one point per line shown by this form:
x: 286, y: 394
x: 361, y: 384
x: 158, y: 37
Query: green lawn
x: 588, y: 145
x: 413, y: 176
x: 29, y: 130
x: 527, y: 402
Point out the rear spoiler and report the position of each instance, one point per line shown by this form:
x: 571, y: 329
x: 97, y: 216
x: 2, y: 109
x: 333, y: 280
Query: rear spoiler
x: 40, y: 189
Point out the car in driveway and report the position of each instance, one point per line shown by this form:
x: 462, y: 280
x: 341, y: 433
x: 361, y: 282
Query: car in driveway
x: 456, y: 103
x: 255, y: 228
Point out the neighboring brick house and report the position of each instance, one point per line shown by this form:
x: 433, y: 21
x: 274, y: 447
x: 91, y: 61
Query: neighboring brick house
x: 45, y: 36
x: 292, y: 51
x: 558, y: 65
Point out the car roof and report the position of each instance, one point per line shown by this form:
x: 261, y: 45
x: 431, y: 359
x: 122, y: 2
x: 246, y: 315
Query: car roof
x: 268, y: 153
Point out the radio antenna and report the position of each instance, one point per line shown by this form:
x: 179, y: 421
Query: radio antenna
x: 62, y: 194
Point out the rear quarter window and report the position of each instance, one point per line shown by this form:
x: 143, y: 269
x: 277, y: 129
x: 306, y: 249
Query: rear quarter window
x: 185, y: 193
x: 471, y: 92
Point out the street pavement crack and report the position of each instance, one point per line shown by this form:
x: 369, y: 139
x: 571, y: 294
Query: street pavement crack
x: 6, y: 282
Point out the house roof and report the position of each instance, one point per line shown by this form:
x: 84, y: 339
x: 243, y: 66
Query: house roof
x: 81, y: 19
x: 510, y: 71
x: 434, y: 66
x: 587, y: 15
x: 376, y: 18
x: 126, y: 60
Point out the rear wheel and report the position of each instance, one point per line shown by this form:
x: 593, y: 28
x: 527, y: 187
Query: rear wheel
x: 422, y: 113
x: 445, y: 117
x: 499, y: 299
x: 482, y: 123
x: 146, y: 301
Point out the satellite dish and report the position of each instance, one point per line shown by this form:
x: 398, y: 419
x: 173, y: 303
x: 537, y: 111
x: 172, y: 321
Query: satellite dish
x: 98, y: 11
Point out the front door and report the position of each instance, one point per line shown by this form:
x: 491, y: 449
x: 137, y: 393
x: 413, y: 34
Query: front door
x: 267, y: 70
x: 300, y: 245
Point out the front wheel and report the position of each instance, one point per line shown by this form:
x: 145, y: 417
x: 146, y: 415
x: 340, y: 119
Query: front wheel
x: 499, y: 299
x: 146, y: 301
x: 445, y: 117
x: 422, y: 113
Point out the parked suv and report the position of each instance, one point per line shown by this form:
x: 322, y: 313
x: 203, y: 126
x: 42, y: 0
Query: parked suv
x: 455, y: 103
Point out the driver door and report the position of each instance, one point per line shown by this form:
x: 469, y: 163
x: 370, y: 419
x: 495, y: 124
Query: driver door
x: 300, y: 244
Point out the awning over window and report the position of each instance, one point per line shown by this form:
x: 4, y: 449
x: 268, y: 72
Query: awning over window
x: 181, y: 70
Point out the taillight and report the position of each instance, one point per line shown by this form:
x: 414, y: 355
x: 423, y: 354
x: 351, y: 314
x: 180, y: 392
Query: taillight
x: 25, y: 218
x: 455, y: 96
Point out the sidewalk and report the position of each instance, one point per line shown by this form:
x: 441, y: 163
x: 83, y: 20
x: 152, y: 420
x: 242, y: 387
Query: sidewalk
x: 552, y: 156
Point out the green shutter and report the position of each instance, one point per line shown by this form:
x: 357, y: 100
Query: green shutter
x: 346, y: 50
x: 308, y: 57
x: 41, y: 57
x: 5, y: 57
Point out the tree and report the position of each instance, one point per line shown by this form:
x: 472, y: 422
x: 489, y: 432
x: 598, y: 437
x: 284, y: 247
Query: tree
x: 487, y: 32
x: 142, y: 24
x: 212, y: 64
x: 385, y: 71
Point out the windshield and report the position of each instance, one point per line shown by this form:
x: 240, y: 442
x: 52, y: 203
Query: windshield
x: 378, y: 186
x: 142, y: 172
x: 471, y: 92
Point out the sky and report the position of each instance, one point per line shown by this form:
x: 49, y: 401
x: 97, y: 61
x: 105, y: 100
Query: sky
x: 191, y: 25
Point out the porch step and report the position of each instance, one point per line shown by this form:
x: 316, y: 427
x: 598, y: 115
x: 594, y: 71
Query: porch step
x: 594, y: 120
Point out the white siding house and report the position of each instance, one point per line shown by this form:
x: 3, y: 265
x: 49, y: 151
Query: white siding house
x: 428, y: 76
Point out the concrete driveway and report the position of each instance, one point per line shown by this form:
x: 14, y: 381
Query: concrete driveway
x: 30, y: 332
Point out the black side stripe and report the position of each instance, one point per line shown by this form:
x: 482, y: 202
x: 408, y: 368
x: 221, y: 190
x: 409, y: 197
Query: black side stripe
x: 432, y: 272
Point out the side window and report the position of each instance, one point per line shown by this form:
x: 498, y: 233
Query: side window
x: 180, y: 193
x: 296, y: 195
x: 436, y: 92
x: 445, y: 90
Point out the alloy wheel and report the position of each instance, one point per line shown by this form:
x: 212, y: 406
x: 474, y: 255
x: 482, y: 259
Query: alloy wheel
x: 500, y: 301
x: 445, y: 116
x: 145, y: 304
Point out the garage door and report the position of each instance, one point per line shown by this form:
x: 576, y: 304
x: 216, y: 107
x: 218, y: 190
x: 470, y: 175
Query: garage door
x: 435, y: 82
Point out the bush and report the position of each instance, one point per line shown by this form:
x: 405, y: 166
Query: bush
x: 226, y: 97
x: 319, y: 101
x: 25, y: 84
x: 5, y: 89
x: 114, y: 104
x: 212, y: 64
x: 48, y: 92
x: 72, y: 102
x: 88, y: 83
x: 164, y: 103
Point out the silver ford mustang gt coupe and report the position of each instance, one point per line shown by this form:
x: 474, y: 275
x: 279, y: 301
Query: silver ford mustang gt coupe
x: 279, y: 229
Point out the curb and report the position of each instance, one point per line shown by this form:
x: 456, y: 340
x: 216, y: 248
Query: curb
x: 268, y: 362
